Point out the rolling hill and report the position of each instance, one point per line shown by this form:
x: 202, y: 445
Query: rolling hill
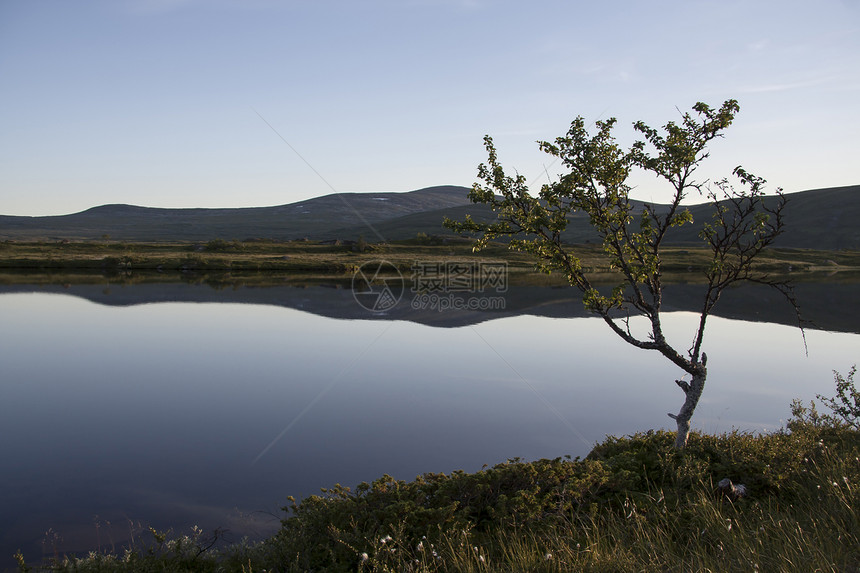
x: 823, y: 219
x: 315, y: 219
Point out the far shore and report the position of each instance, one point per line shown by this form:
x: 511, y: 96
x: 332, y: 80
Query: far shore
x: 332, y: 258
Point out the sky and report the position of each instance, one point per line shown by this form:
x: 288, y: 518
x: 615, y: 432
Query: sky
x: 241, y: 103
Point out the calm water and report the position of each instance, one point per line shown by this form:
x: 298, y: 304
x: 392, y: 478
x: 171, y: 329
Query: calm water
x: 121, y: 415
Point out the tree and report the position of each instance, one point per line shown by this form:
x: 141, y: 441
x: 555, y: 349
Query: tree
x: 596, y: 183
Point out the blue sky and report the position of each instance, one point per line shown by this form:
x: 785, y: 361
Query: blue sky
x: 156, y: 102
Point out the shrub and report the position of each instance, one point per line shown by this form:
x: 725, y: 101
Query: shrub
x: 846, y: 404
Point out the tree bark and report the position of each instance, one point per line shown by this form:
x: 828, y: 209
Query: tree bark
x: 693, y: 391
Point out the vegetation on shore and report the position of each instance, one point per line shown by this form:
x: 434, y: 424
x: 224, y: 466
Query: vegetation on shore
x: 633, y: 504
x: 343, y: 257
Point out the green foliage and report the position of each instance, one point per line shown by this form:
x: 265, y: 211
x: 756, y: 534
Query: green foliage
x: 164, y: 552
x: 764, y: 463
x: 423, y: 238
x: 635, y: 503
x: 324, y: 529
x: 595, y: 183
x: 844, y: 407
x: 846, y: 403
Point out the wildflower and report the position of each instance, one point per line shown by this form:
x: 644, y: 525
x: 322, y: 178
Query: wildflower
x: 364, y: 557
x: 481, y: 558
x: 548, y: 557
x: 420, y: 546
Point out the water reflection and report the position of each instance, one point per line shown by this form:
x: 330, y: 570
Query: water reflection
x: 185, y: 413
x: 828, y: 303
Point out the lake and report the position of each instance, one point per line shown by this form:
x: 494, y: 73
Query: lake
x: 126, y: 406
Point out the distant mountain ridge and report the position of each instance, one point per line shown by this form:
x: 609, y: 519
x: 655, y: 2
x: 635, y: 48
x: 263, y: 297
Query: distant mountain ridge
x: 824, y: 219
x: 316, y: 218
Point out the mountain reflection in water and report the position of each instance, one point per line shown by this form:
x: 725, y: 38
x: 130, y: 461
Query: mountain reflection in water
x: 826, y: 305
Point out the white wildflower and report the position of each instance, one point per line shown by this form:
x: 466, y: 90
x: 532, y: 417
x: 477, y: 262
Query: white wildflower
x: 364, y: 557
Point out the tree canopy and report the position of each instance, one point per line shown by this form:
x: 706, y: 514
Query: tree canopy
x: 596, y: 181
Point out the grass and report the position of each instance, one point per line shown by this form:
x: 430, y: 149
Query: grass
x: 633, y: 504
x: 343, y: 258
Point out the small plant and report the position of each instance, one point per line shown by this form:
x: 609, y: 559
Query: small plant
x: 846, y: 403
x: 845, y: 407
x: 361, y: 245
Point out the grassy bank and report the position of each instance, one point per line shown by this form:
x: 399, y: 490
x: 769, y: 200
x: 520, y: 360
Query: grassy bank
x: 344, y: 257
x: 634, y: 504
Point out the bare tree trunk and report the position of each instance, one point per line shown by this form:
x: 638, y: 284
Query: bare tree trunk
x: 693, y: 391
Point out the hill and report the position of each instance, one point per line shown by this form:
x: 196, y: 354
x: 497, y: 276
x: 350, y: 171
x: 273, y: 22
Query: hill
x: 823, y: 219
x: 315, y: 219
